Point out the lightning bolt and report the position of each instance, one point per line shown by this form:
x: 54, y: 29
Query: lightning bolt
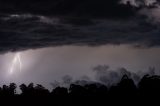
x: 16, y: 62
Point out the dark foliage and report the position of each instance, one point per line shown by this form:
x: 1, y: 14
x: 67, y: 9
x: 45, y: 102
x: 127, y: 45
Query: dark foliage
x: 94, y: 93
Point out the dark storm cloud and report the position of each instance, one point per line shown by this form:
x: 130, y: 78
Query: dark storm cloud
x: 117, y: 23
x: 142, y: 3
x: 22, y: 32
x: 90, y: 8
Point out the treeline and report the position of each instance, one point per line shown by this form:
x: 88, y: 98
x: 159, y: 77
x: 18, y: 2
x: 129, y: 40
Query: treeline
x: 94, y: 93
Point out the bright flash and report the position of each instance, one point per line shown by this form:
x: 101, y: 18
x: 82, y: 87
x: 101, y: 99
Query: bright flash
x: 16, y: 63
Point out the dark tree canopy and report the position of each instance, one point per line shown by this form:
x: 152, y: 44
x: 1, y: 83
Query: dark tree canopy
x: 91, y: 93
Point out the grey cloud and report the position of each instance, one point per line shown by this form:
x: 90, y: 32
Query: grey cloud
x: 107, y: 76
x: 86, y: 8
x: 67, y: 79
x: 22, y: 32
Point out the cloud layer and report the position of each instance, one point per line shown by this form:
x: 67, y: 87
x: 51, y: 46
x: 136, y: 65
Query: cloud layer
x: 21, y: 32
x: 107, y: 76
x: 117, y: 22
x: 89, y: 8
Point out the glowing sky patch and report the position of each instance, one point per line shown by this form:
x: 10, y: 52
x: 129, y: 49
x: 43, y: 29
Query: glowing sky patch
x: 16, y: 63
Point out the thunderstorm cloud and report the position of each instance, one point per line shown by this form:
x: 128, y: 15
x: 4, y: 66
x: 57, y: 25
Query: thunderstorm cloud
x: 25, y: 25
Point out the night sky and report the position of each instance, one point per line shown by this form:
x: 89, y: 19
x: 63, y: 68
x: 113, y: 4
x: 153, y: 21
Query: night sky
x: 44, y: 41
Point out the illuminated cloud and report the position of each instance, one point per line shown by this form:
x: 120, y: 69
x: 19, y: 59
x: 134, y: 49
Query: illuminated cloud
x: 16, y: 63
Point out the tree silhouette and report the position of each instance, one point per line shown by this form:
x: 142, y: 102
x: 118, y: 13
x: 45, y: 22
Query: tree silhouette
x: 88, y: 94
x: 60, y: 91
x: 12, y: 88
